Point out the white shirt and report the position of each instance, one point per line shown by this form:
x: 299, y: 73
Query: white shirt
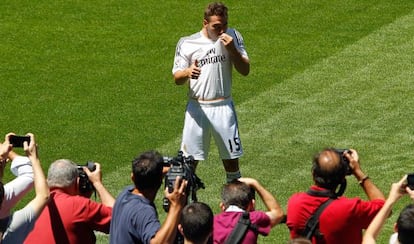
x: 215, y: 80
x: 15, y: 190
x: 394, y: 238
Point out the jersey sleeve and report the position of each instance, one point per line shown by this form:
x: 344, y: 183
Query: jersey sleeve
x: 238, y: 42
x: 181, y: 61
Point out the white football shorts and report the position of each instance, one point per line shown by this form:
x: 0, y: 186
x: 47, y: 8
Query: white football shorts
x: 203, y: 120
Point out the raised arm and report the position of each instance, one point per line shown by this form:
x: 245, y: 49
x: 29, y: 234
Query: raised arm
x: 95, y: 178
x: 274, y: 212
x: 241, y: 63
x: 40, y: 183
x: 177, y: 198
x: 373, y: 230
x: 370, y: 189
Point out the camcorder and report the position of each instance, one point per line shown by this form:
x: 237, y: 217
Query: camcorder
x: 184, y: 167
x: 85, y: 186
x: 344, y: 159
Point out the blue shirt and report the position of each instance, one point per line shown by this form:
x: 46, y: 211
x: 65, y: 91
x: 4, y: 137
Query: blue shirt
x: 134, y: 219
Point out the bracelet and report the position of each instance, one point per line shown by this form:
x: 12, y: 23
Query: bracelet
x: 361, y: 182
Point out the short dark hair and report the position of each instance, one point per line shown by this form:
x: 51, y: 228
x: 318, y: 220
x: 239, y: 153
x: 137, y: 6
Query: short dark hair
x: 405, y: 225
x: 147, y: 170
x: 215, y: 9
x: 197, y: 221
x: 237, y: 193
x: 328, y: 177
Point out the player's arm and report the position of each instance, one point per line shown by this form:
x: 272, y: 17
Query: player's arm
x: 241, y: 63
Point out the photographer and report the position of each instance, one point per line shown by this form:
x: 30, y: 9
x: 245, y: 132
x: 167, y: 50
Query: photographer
x: 343, y: 220
x: 70, y: 217
x: 135, y: 218
x: 238, y: 198
x: 15, y: 190
x: 196, y: 223
x: 21, y: 221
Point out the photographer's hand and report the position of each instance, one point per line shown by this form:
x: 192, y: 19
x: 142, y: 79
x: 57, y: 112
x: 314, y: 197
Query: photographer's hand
x: 249, y: 181
x: 5, y: 147
x: 95, y: 177
x: 353, y: 158
x: 31, y: 148
x: 370, y: 189
x: 397, y: 190
x: 5, y: 152
x: 177, y: 198
x: 410, y: 192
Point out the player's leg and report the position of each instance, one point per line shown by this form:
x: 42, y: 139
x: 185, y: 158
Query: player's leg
x: 226, y: 135
x: 196, y: 133
x: 231, y: 166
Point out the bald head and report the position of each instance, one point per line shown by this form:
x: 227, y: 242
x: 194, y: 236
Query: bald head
x: 328, y: 169
x: 328, y: 160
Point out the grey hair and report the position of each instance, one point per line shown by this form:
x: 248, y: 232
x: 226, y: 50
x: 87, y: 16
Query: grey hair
x: 62, y: 173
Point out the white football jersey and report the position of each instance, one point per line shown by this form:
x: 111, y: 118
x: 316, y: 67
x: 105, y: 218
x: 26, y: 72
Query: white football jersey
x: 213, y: 59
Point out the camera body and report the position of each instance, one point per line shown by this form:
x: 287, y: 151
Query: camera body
x: 344, y: 160
x: 410, y: 181
x: 183, y: 167
x: 17, y: 141
x: 85, y: 186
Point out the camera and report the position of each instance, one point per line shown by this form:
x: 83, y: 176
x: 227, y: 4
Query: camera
x: 184, y: 167
x: 17, y: 141
x: 344, y: 159
x: 410, y: 181
x: 85, y: 186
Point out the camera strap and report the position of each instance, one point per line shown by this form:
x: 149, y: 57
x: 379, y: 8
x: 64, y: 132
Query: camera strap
x: 312, y: 225
x: 239, y: 232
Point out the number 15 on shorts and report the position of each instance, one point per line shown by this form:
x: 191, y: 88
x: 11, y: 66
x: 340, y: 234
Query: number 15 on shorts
x: 234, y: 145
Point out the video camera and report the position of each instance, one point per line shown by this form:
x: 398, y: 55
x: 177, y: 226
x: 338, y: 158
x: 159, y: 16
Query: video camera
x: 183, y: 167
x: 85, y: 186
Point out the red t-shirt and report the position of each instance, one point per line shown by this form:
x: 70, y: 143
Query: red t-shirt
x: 73, y: 220
x: 225, y: 222
x: 341, y: 222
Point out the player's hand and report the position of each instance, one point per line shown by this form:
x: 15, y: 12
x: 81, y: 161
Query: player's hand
x: 195, y: 71
x: 227, y: 40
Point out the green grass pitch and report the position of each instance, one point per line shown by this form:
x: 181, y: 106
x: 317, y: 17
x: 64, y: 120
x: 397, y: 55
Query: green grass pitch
x: 92, y: 80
